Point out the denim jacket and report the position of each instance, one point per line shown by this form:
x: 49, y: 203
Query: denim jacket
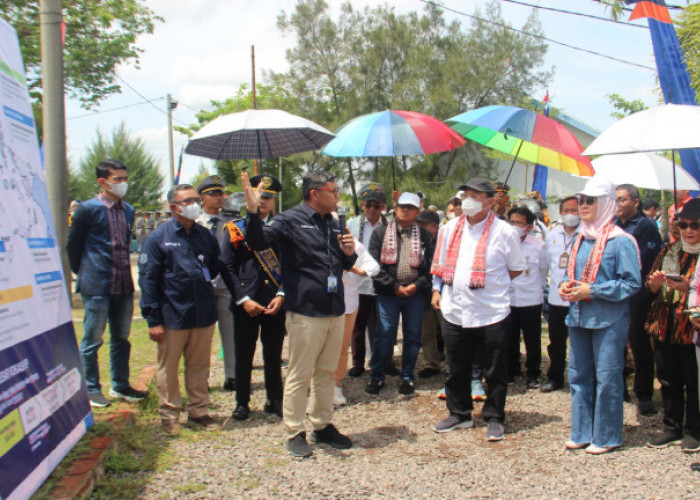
x: 89, y: 248
x: 618, y: 279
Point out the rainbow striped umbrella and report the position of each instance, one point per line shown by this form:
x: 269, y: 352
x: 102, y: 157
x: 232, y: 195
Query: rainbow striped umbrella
x: 525, y: 135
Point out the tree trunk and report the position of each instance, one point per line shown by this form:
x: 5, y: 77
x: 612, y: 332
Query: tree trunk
x: 351, y: 178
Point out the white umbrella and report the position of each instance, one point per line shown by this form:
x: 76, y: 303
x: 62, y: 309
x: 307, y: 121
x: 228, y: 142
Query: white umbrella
x: 257, y: 134
x: 644, y: 170
x: 666, y: 127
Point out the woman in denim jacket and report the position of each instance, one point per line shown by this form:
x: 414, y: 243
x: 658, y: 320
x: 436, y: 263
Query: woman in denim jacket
x: 604, y: 273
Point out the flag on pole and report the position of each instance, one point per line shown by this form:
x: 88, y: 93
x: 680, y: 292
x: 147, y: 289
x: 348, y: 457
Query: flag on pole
x: 179, y: 167
x: 670, y: 66
x: 540, y: 175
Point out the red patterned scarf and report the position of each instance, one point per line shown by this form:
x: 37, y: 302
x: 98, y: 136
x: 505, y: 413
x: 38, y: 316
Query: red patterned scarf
x: 446, y: 268
x: 390, y: 247
x: 590, y: 271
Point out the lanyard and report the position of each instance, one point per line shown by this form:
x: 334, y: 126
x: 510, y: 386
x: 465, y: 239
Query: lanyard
x: 328, y: 242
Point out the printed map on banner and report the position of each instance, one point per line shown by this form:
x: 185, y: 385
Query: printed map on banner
x: 44, y: 408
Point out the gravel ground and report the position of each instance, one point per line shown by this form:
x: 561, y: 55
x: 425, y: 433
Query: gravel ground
x: 396, y: 454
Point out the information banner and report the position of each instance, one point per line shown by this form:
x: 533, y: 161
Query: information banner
x: 44, y: 407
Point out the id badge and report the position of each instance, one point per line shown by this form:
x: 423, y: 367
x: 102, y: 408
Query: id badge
x: 207, y: 275
x: 563, y: 260
x: 332, y: 284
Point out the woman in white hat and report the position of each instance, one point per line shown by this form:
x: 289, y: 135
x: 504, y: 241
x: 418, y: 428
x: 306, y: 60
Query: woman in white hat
x: 603, y: 274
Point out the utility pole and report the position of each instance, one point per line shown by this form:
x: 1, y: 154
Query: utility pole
x: 54, y: 123
x: 171, y: 105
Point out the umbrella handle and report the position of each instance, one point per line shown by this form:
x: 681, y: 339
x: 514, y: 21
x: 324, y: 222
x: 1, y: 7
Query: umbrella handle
x: 514, y: 160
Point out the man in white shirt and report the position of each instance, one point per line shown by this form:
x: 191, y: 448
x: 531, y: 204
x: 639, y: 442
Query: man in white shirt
x: 559, y: 243
x: 373, y: 205
x: 475, y: 260
x: 526, y: 297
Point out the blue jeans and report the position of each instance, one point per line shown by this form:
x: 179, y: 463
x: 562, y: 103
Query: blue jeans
x: 596, y: 360
x: 99, y: 309
x: 388, y: 309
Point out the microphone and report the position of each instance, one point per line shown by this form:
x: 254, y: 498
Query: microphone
x: 342, y: 218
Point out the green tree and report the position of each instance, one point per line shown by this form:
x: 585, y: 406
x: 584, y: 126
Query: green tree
x: 99, y: 35
x: 145, y: 179
x: 202, y: 173
x: 624, y: 107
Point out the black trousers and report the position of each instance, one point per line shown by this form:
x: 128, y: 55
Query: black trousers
x: 366, y: 319
x: 529, y: 320
x: 558, y: 335
x: 460, y: 346
x: 245, y: 332
x: 677, y: 369
x: 643, y: 354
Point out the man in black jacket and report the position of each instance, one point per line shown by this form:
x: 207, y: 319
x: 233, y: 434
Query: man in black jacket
x: 404, y: 251
x: 257, y: 305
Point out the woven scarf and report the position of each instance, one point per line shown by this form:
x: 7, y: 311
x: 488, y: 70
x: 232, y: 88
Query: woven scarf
x: 590, y: 271
x: 446, y: 269
x: 382, y: 217
x: 390, y: 247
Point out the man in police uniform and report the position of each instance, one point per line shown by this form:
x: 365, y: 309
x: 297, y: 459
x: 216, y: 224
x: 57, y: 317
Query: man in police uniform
x: 256, y: 305
x: 211, y: 190
x: 178, y: 262
x: 373, y: 205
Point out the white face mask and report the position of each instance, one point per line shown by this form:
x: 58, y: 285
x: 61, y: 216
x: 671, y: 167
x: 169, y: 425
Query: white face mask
x: 118, y: 189
x: 471, y: 207
x: 450, y: 216
x: 191, y: 212
x: 522, y: 231
x: 571, y: 220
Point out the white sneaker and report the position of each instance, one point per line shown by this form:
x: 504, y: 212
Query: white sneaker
x: 338, y: 398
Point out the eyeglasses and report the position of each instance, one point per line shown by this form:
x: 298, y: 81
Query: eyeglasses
x: 407, y: 207
x: 587, y: 200
x: 694, y: 225
x: 372, y: 206
x: 622, y: 200
x: 335, y: 190
x: 189, y: 201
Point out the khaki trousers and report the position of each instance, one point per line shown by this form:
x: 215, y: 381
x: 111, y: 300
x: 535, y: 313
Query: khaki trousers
x: 347, y: 336
x: 195, y: 344
x: 314, y: 349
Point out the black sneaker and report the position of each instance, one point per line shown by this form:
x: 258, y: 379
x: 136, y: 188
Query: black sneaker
x: 646, y: 407
x: 356, y: 371
x: 551, y: 386
x: 129, y: 394
x: 229, y: 384
x: 407, y: 386
x: 494, y: 430
x: 690, y: 444
x: 374, y: 386
x: 533, y: 383
x: 274, y: 408
x: 664, y: 440
x: 98, y: 400
x: 242, y: 412
x: 428, y: 372
x: 205, y: 423
x: 298, y: 447
x: 330, y: 436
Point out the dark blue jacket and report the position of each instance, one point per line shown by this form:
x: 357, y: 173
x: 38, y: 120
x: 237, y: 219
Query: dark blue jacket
x: 649, y: 241
x: 309, y: 255
x: 175, y: 289
x: 89, y: 247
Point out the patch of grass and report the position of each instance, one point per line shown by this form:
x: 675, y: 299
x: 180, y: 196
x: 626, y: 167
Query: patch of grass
x: 190, y: 488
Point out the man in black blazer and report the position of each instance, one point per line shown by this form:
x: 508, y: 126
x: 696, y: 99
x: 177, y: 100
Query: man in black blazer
x: 404, y: 251
x: 257, y: 305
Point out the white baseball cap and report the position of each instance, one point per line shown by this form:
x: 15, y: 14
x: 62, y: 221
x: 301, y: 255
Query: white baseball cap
x: 407, y: 198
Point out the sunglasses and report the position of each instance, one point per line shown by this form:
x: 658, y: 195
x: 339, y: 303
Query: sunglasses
x: 587, y: 200
x: 372, y: 206
x: 683, y: 225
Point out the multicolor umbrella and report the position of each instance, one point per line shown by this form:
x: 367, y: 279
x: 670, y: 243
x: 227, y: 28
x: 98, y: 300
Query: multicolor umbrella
x: 392, y: 133
x: 525, y: 135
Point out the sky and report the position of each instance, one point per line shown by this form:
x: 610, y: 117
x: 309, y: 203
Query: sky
x: 201, y: 52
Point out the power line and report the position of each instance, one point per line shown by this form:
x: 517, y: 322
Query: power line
x: 114, y: 109
x: 581, y: 14
x: 540, y: 37
x: 191, y: 108
x: 670, y: 7
x: 145, y: 99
